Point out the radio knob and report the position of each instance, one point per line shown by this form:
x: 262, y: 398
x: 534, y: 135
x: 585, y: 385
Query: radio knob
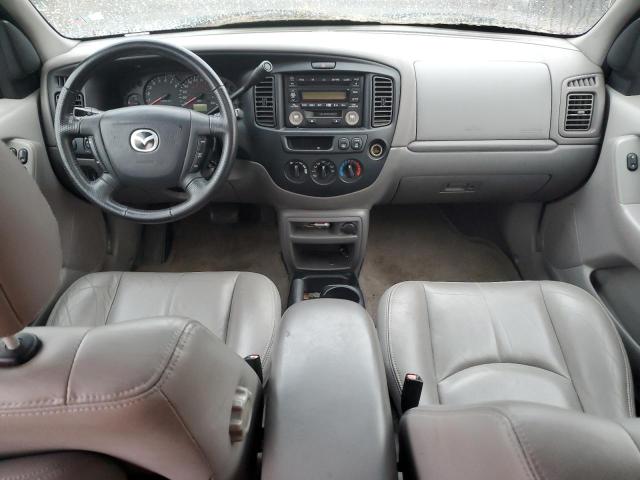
x: 296, y: 118
x: 352, y: 118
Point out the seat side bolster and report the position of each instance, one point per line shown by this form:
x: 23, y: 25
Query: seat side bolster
x: 593, y: 350
x: 516, y: 441
x: 254, y: 315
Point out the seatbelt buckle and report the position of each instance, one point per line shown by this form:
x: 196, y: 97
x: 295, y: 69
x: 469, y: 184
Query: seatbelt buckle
x: 255, y: 363
x: 411, y: 391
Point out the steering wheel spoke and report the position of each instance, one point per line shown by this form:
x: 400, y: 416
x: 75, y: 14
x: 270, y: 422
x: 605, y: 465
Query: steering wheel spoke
x: 104, y: 187
x: 89, y: 126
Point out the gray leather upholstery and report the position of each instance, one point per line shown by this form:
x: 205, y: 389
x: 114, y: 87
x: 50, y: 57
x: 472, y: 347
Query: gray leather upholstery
x: 328, y: 413
x: 517, y: 441
x: 60, y: 466
x: 157, y: 393
x: 242, y: 309
x: 30, y: 252
x: 543, y: 342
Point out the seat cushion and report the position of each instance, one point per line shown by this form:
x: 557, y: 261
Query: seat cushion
x: 60, y: 466
x: 542, y: 342
x: 242, y: 309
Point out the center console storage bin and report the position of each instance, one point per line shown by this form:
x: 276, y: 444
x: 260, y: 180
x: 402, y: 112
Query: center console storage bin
x: 328, y: 412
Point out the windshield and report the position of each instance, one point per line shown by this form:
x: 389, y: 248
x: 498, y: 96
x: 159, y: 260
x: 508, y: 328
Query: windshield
x: 97, y: 18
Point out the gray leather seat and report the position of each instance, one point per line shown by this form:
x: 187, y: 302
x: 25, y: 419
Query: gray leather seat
x: 242, y: 309
x: 165, y: 394
x: 543, y: 342
x: 60, y: 466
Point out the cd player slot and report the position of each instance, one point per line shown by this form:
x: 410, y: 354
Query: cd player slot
x: 309, y: 144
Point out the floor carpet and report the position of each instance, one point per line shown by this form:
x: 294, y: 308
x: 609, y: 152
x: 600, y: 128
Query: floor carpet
x: 419, y: 243
x: 405, y: 243
x: 200, y: 245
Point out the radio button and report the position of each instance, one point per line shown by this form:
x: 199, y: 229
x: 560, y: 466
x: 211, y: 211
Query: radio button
x: 352, y: 118
x: 296, y: 118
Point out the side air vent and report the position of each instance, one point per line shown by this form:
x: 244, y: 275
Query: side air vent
x: 579, y: 112
x: 582, y: 82
x: 382, y: 101
x: 78, y: 102
x: 264, y: 102
x: 61, y: 80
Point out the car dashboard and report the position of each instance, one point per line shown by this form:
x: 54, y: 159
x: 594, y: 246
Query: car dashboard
x: 365, y: 116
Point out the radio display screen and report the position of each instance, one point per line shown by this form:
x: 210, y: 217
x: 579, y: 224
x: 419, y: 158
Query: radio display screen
x: 334, y: 95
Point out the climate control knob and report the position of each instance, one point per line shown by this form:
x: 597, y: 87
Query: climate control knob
x: 323, y: 172
x: 296, y: 171
x: 351, y: 118
x: 296, y: 118
x: 350, y: 170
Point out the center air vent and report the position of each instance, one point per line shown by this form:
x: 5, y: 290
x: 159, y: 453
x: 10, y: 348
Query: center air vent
x: 382, y: 101
x: 264, y: 103
x: 579, y: 112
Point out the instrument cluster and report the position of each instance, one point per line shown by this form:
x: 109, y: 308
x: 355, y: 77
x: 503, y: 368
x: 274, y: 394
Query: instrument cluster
x: 175, y: 89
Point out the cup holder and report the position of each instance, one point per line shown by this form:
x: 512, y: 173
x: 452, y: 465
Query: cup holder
x: 343, y: 292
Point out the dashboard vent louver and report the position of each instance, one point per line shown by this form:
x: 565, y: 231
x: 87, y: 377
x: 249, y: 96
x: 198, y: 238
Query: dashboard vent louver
x: 582, y: 82
x: 61, y: 80
x: 579, y: 112
x: 264, y: 102
x: 78, y: 102
x: 382, y: 110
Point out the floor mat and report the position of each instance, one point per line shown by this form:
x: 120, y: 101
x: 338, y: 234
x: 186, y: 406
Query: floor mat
x: 199, y: 245
x: 419, y: 243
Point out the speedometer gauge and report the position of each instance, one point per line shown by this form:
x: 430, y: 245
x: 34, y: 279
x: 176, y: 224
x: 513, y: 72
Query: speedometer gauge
x: 196, y: 94
x: 162, y: 90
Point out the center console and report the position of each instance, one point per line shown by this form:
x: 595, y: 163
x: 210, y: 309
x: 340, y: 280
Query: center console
x: 324, y: 128
x: 327, y: 408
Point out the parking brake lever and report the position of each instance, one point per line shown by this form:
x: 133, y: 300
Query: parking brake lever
x: 253, y: 78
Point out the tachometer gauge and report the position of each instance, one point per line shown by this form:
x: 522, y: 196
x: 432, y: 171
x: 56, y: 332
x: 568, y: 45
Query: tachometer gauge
x: 196, y: 94
x: 162, y: 90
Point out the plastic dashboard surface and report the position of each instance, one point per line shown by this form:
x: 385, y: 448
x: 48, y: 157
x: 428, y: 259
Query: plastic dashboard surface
x: 434, y: 154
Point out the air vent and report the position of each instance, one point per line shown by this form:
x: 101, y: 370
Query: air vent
x: 582, y: 82
x: 579, y: 112
x: 78, y: 102
x: 61, y: 80
x: 382, y: 111
x: 264, y: 103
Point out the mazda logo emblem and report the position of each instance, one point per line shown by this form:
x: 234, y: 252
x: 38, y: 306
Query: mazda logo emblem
x: 144, y: 140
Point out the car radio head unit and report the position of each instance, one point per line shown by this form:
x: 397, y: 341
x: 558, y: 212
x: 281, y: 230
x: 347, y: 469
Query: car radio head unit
x: 324, y: 100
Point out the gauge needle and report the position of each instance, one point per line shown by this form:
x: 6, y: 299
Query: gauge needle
x: 191, y: 100
x: 159, y: 99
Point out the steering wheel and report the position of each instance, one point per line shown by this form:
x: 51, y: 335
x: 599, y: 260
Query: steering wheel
x: 147, y: 146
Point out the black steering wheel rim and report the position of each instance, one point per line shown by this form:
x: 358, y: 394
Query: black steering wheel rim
x: 115, y: 123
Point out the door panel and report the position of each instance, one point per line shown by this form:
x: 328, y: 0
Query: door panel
x: 82, y: 226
